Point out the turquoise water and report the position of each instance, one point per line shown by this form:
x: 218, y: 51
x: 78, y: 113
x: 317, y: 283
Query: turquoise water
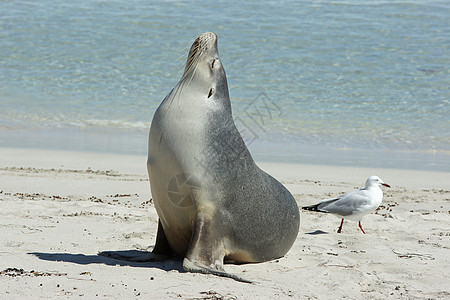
x: 360, y: 83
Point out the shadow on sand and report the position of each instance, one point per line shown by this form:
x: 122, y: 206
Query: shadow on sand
x: 317, y: 232
x: 82, y: 259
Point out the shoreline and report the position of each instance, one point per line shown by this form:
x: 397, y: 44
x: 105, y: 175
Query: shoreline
x: 133, y: 163
x: 134, y: 142
x: 58, y: 209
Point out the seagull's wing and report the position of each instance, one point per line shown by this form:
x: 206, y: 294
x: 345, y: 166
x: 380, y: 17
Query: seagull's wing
x: 317, y: 207
x: 348, y: 204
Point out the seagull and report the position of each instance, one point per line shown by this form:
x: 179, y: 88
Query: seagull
x: 354, y: 205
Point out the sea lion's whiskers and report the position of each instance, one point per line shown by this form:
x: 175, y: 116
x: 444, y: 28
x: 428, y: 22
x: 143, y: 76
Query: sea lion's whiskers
x: 183, y: 51
x: 191, y: 66
x: 177, y: 61
x: 181, y: 56
x: 194, y: 67
x: 192, y: 62
x: 188, y: 65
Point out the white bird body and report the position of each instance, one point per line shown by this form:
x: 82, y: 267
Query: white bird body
x: 353, y: 205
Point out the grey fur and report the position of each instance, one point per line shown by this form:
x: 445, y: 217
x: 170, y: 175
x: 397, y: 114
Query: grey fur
x: 239, y: 212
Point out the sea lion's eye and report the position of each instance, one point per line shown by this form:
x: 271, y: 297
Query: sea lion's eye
x: 212, y: 64
x: 211, y: 92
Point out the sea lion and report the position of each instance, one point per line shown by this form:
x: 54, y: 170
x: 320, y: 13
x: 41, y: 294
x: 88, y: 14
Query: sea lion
x: 214, y: 203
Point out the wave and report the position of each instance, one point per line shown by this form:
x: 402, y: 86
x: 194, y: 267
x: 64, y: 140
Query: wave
x: 121, y: 124
x: 28, y: 122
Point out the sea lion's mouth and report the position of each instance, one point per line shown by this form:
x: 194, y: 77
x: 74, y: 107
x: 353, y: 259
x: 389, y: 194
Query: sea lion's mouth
x: 202, y: 44
x: 205, y: 41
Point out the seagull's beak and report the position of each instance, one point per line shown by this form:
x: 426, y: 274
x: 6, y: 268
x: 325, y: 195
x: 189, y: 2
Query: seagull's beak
x: 385, y: 184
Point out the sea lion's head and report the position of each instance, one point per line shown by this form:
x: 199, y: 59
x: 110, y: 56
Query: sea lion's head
x: 204, y: 68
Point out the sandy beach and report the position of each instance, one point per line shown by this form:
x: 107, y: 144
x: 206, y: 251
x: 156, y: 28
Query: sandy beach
x: 59, y: 209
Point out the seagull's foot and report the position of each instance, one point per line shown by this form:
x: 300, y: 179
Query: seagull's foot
x: 340, y: 227
x: 361, y: 227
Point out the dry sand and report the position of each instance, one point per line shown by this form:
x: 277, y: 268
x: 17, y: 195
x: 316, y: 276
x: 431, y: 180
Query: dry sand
x: 59, y: 209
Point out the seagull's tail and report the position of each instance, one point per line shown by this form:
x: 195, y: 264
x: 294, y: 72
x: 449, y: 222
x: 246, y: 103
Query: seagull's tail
x: 314, y: 207
x: 322, y: 206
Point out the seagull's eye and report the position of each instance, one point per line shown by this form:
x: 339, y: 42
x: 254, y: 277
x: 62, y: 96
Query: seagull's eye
x: 212, y: 64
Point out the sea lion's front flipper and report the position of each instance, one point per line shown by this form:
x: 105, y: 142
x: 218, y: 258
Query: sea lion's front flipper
x: 206, y: 252
x: 162, y: 251
x: 162, y: 246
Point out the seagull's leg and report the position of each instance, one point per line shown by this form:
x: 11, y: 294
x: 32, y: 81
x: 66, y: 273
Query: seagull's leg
x: 340, y: 227
x: 361, y: 227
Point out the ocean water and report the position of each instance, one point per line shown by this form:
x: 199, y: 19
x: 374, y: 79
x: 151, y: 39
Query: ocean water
x: 356, y: 83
